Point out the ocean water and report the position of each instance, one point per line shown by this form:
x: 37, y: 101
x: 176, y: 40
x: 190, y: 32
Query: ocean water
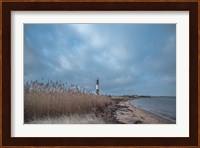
x: 161, y: 106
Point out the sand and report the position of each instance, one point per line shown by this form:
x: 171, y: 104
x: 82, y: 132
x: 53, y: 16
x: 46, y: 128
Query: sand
x: 129, y: 114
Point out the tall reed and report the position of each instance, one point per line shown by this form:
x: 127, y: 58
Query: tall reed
x: 55, y: 99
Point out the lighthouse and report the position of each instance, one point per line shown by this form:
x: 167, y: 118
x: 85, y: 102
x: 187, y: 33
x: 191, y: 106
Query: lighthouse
x: 97, y: 87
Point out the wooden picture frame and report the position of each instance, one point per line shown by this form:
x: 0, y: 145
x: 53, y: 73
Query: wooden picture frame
x: 7, y: 7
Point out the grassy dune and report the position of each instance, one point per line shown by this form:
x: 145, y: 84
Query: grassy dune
x: 73, y: 119
x: 54, y: 102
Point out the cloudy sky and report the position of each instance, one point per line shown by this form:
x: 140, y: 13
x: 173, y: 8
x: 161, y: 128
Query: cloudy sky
x: 127, y: 58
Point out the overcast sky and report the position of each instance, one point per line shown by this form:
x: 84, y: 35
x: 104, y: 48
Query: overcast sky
x: 127, y: 58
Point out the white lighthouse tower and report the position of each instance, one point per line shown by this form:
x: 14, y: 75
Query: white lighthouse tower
x: 97, y: 87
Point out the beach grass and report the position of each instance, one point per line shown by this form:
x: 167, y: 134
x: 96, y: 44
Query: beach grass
x: 55, y: 102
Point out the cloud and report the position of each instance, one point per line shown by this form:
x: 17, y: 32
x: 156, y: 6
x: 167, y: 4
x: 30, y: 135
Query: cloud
x: 127, y: 58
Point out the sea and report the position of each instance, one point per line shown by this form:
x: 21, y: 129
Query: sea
x: 164, y: 107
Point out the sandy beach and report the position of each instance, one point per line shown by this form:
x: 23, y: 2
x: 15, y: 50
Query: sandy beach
x: 127, y: 113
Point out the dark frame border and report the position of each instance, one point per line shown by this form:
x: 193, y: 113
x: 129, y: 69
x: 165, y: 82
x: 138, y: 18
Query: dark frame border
x: 7, y: 7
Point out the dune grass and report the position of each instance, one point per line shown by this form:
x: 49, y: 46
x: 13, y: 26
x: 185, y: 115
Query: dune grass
x: 55, y: 101
x: 72, y: 119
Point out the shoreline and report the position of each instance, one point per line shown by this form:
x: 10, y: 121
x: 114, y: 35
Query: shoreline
x: 126, y: 113
x: 160, y: 116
